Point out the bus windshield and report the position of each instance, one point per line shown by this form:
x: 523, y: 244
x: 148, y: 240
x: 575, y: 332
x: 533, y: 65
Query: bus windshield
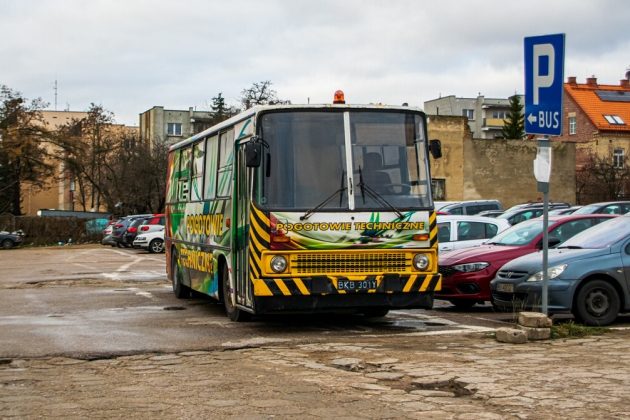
x: 309, y: 154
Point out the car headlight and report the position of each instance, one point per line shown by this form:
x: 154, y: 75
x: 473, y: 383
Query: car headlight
x: 552, y: 273
x: 278, y: 264
x: 140, y: 238
x: 420, y: 262
x: 471, y: 267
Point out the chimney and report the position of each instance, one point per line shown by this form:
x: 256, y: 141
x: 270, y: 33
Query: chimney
x: 625, y: 83
x: 591, y: 81
x: 572, y: 80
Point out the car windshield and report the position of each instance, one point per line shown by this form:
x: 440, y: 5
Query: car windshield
x: 521, y: 234
x: 592, y: 208
x: 601, y: 236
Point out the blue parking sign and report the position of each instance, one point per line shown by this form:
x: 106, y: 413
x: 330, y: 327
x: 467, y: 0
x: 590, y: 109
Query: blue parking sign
x: 544, y: 77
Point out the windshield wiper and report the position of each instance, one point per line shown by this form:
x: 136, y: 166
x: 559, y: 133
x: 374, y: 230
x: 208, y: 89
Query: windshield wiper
x: 569, y: 247
x: 327, y: 200
x: 376, y: 196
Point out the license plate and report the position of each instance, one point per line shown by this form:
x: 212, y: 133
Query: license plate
x: 505, y: 287
x: 354, y: 285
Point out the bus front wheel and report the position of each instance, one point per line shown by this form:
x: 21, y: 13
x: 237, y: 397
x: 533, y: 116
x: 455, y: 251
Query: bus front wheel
x: 180, y: 290
x: 234, y: 313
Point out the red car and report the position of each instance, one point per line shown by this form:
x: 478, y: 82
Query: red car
x: 466, y: 273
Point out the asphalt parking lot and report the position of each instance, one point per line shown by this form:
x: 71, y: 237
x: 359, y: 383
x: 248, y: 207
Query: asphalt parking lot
x: 96, y: 331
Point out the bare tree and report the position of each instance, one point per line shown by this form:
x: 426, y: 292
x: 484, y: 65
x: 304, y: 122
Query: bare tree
x: 602, y: 179
x: 260, y: 93
x: 24, y: 153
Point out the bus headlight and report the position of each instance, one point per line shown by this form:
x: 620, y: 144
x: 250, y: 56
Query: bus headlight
x: 278, y: 264
x: 421, y: 262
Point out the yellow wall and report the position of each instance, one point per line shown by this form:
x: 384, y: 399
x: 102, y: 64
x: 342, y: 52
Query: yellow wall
x: 494, y: 168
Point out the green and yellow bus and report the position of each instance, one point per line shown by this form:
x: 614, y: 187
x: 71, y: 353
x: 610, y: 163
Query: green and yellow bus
x: 305, y: 208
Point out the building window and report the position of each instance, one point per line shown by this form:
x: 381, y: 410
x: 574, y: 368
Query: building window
x: 469, y: 113
x: 572, y: 125
x: 439, y: 188
x: 614, y: 120
x: 174, y: 129
x: 501, y: 115
x: 618, y: 158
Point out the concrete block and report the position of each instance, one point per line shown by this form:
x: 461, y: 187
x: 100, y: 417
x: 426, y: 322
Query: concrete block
x: 511, y: 335
x: 534, y: 320
x: 536, y: 333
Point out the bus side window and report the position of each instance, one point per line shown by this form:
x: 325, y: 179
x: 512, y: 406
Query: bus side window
x: 196, y: 184
x: 184, y: 174
x: 212, y: 161
x: 226, y: 157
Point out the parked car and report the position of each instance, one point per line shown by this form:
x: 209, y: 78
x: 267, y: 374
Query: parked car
x: 608, y: 207
x: 517, y: 214
x: 120, y: 227
x: 471, y: 207
x: 9, y: 240
x: 457, y: 232
x: 153, y: 224
x: 551, y: 204
x: 491, y: 213
x: 107, y: 234
x: 153, y: 241
x: 466, y: 273
x: 561, y: 211
x: 589, y: 276
x: 132, y: 230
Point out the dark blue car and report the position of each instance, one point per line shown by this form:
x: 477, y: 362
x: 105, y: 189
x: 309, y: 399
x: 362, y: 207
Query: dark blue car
x: 589, y: 276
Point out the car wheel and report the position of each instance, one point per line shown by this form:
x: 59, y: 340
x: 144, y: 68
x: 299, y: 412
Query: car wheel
x: 234, y: 313
x: 7, y: 244
x: 180, y: 290
x: 463, y: 303
x: 156, y: 246
x: 597, y: 303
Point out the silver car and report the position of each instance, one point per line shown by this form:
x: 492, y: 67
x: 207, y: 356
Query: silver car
x: 589, y: 276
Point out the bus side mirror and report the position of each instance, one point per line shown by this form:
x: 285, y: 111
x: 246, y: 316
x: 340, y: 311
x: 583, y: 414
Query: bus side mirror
x: 435, y: 147
x: 253, y: 154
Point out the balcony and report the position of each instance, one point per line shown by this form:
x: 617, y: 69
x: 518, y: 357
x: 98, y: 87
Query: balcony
x: 490, y: 123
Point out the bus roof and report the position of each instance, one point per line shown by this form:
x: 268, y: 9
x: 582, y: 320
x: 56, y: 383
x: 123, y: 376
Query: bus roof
x: 260, y: 108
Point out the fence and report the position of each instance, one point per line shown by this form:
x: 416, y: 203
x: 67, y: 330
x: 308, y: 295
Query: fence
x: 53, y: 230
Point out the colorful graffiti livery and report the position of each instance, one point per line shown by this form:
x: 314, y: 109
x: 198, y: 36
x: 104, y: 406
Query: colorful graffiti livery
x: 197, y: 260
x: 204, y: 224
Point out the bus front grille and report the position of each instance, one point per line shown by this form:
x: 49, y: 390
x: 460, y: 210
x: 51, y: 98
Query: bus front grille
x: 375, y: 262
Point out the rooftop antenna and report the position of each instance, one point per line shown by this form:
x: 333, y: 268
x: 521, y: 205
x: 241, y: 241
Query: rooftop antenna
x: 55, y: 88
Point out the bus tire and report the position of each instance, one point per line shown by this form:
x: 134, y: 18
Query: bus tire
x: 180, y: 290
x: 235, y: 314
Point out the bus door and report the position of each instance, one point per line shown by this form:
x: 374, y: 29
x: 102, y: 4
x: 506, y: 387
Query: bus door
x: 243, y: 195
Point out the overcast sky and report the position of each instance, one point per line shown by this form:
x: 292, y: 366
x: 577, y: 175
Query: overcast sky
x: 130, y: 55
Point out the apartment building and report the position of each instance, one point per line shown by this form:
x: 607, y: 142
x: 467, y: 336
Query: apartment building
x: 171, y: 125
x: 485, y: 115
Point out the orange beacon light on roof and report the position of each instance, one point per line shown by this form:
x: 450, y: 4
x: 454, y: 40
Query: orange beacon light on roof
x: 339, y: 97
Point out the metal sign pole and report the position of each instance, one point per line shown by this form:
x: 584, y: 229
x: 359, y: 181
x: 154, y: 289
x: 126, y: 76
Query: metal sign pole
x: 542, y: 169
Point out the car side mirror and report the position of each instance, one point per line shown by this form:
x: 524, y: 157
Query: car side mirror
x: 435, y: 147
x: 253, y: 154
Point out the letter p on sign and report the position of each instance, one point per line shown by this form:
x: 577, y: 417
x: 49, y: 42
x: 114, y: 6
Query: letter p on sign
x: 542, y: 80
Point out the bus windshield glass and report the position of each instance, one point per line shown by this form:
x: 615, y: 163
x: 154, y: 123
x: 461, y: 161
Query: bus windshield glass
x: 307, y: 161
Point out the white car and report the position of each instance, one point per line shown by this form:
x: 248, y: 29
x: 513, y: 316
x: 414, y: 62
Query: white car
x: 456, y: 232
x: 153, y: 241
